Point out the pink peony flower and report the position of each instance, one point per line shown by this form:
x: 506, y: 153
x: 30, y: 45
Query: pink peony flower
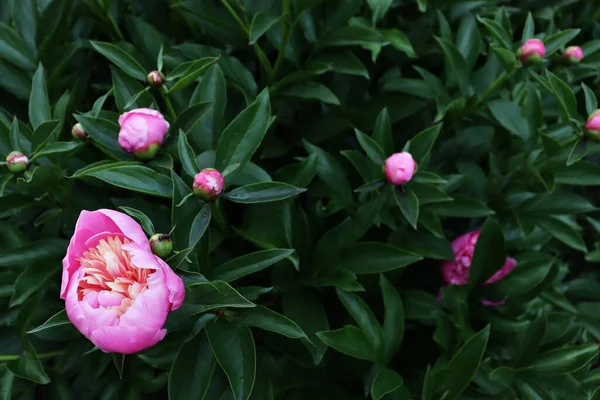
x: 573, y: 54
x: 117, y: 293
x: 399, y: 168
x: 142, y: 132
x: 208, y: 184
x: 592, y: 126
x: 456, y: 272
x: 155, y: 78
x: 532, y: 52
x: 17, y: 161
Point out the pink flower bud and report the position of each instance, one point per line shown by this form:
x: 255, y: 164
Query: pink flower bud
x: 155, y: 78
x: 161, y: 244
x: 399, y: 168
x: 17, y: 162
x: 142, y: 132
x: 592, y: 126
x: 573, y: 54
x: 208, y: 184
x: 456, y: 272
x: 78, y: 132
x: 117, y: 293
x: 532, y: 52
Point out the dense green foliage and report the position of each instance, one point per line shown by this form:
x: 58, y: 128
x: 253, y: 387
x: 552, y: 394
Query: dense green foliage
x: 310, y: 278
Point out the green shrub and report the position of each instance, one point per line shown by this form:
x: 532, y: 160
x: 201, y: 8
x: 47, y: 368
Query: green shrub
x: 310, y: 276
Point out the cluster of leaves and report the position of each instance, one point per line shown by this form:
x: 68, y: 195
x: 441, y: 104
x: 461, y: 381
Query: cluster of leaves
x: 311, y: 277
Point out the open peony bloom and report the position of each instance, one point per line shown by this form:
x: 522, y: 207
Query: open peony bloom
x: 573, y: 54
x: 142, y: 132
x: 399, y: 168
x: 532, y: 52
x: 117, y: 293
x: 457, y: 272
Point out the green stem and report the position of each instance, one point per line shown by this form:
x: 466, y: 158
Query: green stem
x: 218, y: 215
x: 285, y: 37
x: 170, y: 108
x: 259, y: 52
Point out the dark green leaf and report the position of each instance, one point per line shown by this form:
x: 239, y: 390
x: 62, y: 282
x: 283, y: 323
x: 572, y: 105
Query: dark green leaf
x: 233, y: 347
x: 349, y: 340
x: 28, y: 366
x: 33, y: 252
x: 311, y: 91
x: 556, y: 41
x: 206, y: 296
x: 563, y: 231
x: 121, y: 59
x: 199, y: 225
x: 188, y: 73
x: 383, y: 132
x: 489, y: 255
x: 376, y: 257
x: 55, y: 148
x: 332, y: 173
x: 261, y: 23
x: 15, y: 49
x: 263, y: 318
x: 421, y: 144
x: 249, y: 264
x: 143, y: 218
x: 192, y: 370
x: 457, y: 64
x: 263, y: 192
x: 186, y: 154
x: 58, y: 319
x: 408, y: 202
x: 352, y: 36
x: 497, y: 32
x: 511, y: 117
x: 591, y: 103
x: 399, y: 41
x: 364, y: 317
x: 528, y: 29
x: 393, y: 322
x: 565, y: 360
x: 39, y: 105
x: 370, y: 147
x: 386, y: 381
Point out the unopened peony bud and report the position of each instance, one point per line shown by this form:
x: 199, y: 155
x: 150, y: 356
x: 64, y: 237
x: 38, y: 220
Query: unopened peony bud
x: 592, y: 126
x: 17, y: 162
x: 161, y: 244
x: 208, y: 184
x: 532, y: 52
x: 155, y: 78
x: 78, y: 132
x: 399, y: 168
x: 573, y: 54
x: 142, y: 132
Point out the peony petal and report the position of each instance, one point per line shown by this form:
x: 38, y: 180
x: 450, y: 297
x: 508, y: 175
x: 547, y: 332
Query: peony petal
x: 127, y: 225
x: 175, y: 285
x: 140, y: 257
x: 149, y: 308
x: 126, y: 339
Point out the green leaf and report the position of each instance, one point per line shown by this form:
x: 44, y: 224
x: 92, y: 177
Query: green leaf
x: 461, y: 207
x: 205, y: 296
x: 104, y: 133
x: 421, y: 144
x: 191, y: 372
x: 408, y: 202
x: 39, y: 105
x: 529, y: 28
x: 393, y: 322
x: 582, y: 173
x: 565, y: 360
x: 376, y: 257
x: 244, y: 134
x: 563, y: 231
x: 343, y: 62
x: 352, y: 36
x: 349, y: 340
x: 301, y: 174
x: 213, y: 88
x: 465, y: 363
x: 34, y: 252
x: 489, y: 255
x: 233, y: 347
x: 6, y: 383
x: 249, y: 264
x: 591, y: 103
x: 186, y: 154
x: 132, y: 176
x: 15, y: 135
x: 143, y: 218
x: 46, y: 132
x: 28, y: 366
x: 189, y: 72
x: 128, y: 92
x: 199, y: 225
x: 370, y: 186
x: 305, y: 308
x: 386, y: 381
x: 379, y: 8
x: 332, y: 173
x: 497, y: 32
x: 382, y: 133
x: 458, y: 65
x: 578, y: 151
x: 263, y: 318
x: 190, y: 117
x: 55, y: 148
x: 511, y: 117
x: 121, y: 59
x: 182, y: 217
x: 564, y: 95
x: 399, y: 41
x: 524, y: 279
x: 15, y: 49
x: 263, y: 192
x: 364, y: 317
x: 311, y: 91
x: 58, y: 319
x: 30, y: 281
x: 556, y: 41
x: 261, y: 23
x: 370, y: 147
x: 348, y: 231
